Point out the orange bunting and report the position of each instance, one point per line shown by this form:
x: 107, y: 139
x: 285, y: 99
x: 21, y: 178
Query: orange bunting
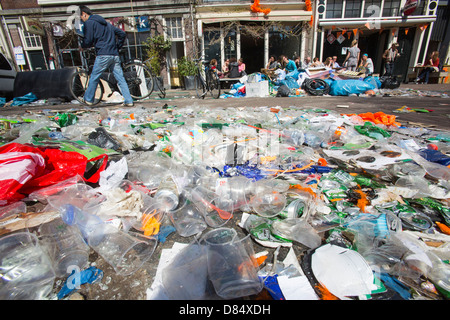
x: 308, y: 5
x: 256, y: 7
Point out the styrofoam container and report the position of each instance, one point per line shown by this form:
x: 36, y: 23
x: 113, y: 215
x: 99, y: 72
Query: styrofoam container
x: 257, y: 89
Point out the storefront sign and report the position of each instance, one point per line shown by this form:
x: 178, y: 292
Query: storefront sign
x: 142, y: 24
x: 20, y: 57
x: 410, y: 7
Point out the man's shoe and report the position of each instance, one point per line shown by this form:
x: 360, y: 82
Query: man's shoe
x: 87, y: 102
x: 127, y: 104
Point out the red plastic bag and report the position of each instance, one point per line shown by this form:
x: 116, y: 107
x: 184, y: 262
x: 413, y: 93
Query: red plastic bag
x: 24, y: 169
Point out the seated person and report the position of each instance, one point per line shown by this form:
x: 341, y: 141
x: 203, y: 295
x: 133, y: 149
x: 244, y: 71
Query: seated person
x: 241, y: 67
x: 306, y: 63
x: 335, y: 64
x: 367, y: 64
x: 328, y: 63
x: 273, y: 64
x: 226, y: 68
x: 432, y: 66
x: 316, y: 63
x: 234, y: 69
x: 289, y: 64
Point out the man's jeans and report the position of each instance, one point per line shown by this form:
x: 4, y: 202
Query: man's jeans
x: 101, y: 64
x: 389, y: 69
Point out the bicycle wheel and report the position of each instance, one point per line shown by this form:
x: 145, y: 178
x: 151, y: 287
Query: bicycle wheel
x: 200, y: 87
x: 78, y: 85
x: 214, y: 84
x: 139, y: 80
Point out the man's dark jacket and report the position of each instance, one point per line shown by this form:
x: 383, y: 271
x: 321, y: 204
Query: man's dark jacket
x: 102, y: 35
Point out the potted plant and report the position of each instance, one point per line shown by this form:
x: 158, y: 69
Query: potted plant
x: 187, y: 69
x: 156, y: 49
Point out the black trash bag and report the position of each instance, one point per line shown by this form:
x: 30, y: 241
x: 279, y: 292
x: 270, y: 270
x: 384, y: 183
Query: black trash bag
x: 389, y: 82
x: 283, y: 91
x: 316, y: 87
x: 101, y: 138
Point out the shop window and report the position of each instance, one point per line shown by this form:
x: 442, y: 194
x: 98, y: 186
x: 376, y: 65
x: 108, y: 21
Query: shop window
x: 353, y: 9
x: 174, y: 28
x: 31, y: 41
x: 334, y: 9
x: 391, y: 8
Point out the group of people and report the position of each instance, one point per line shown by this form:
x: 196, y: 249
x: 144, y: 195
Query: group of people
x: 232, y: 68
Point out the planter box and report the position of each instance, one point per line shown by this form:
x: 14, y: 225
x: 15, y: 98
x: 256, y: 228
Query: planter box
x: 189, y: 82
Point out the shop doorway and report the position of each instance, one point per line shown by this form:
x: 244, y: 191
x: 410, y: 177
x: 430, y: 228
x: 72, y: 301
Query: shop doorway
x: 252, y: 51
x: 405, y: 41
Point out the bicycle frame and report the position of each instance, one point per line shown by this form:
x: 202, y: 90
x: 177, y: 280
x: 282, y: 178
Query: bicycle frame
x: 206, y: 78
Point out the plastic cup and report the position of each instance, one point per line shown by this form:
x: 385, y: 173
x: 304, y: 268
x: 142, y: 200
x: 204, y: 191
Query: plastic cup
x: 64, y: 245
x: 27, y: 272
x: 230, y: 266
x: 187, y: 219
x: 268, y: 204
x: 216, y: 211
x: 79, y: 195
x: 185, y: 278
x: 237, y: 190
x: 125, y: 252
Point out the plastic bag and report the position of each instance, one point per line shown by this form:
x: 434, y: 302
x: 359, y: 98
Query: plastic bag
x: 26, y: 169
x: 348, y: 87
x: 26, y: 99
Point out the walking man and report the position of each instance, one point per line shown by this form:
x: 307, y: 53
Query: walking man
x: 389, y: 56
x: 101, y: 34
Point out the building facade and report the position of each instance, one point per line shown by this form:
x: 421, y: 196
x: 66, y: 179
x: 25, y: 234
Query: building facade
x: 39, y: 34
x: 376, y: 24
x: 244, y: 29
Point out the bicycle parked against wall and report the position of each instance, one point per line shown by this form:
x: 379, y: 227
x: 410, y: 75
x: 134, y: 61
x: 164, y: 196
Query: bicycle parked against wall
x: 207, y: 80
x: 140, y: 80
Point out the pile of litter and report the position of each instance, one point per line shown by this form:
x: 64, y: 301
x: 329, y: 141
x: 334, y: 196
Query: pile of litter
x: 360, y: 203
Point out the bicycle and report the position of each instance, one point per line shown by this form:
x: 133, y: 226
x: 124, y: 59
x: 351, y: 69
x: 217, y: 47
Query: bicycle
x: 140, y: 80
x: 207, y: 80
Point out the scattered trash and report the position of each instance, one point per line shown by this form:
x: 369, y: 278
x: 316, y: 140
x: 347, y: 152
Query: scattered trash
x: 289, y: 203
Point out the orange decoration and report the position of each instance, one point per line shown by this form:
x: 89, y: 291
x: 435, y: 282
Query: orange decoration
x: 308, y: 5
x: 255, y: 7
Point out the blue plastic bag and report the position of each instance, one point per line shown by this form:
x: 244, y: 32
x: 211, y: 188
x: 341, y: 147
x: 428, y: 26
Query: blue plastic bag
x: 26, y: 99
x: 2, y: 102
x: 348, y: 87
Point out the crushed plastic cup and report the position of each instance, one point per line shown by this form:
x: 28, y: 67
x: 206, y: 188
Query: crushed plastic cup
x: 216, y: 211
x: 186, y: 277
x: 153, y: 170
x: 26, y: 269
x: 235, y: 190
x: 187, y: 219
x: 64, y: 245
x: 231, y: 267
x: 268, y: 204
x: 80, y: 195
x: 126, y: 252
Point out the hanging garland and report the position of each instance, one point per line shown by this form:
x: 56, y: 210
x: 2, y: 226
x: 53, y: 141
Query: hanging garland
x: 309, y: 8
x: 256, y: 7
x: 308, y: 5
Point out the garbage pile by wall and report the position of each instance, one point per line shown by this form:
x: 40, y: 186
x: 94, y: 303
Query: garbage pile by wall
x: 326, y: 83
x: 360, y: 201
